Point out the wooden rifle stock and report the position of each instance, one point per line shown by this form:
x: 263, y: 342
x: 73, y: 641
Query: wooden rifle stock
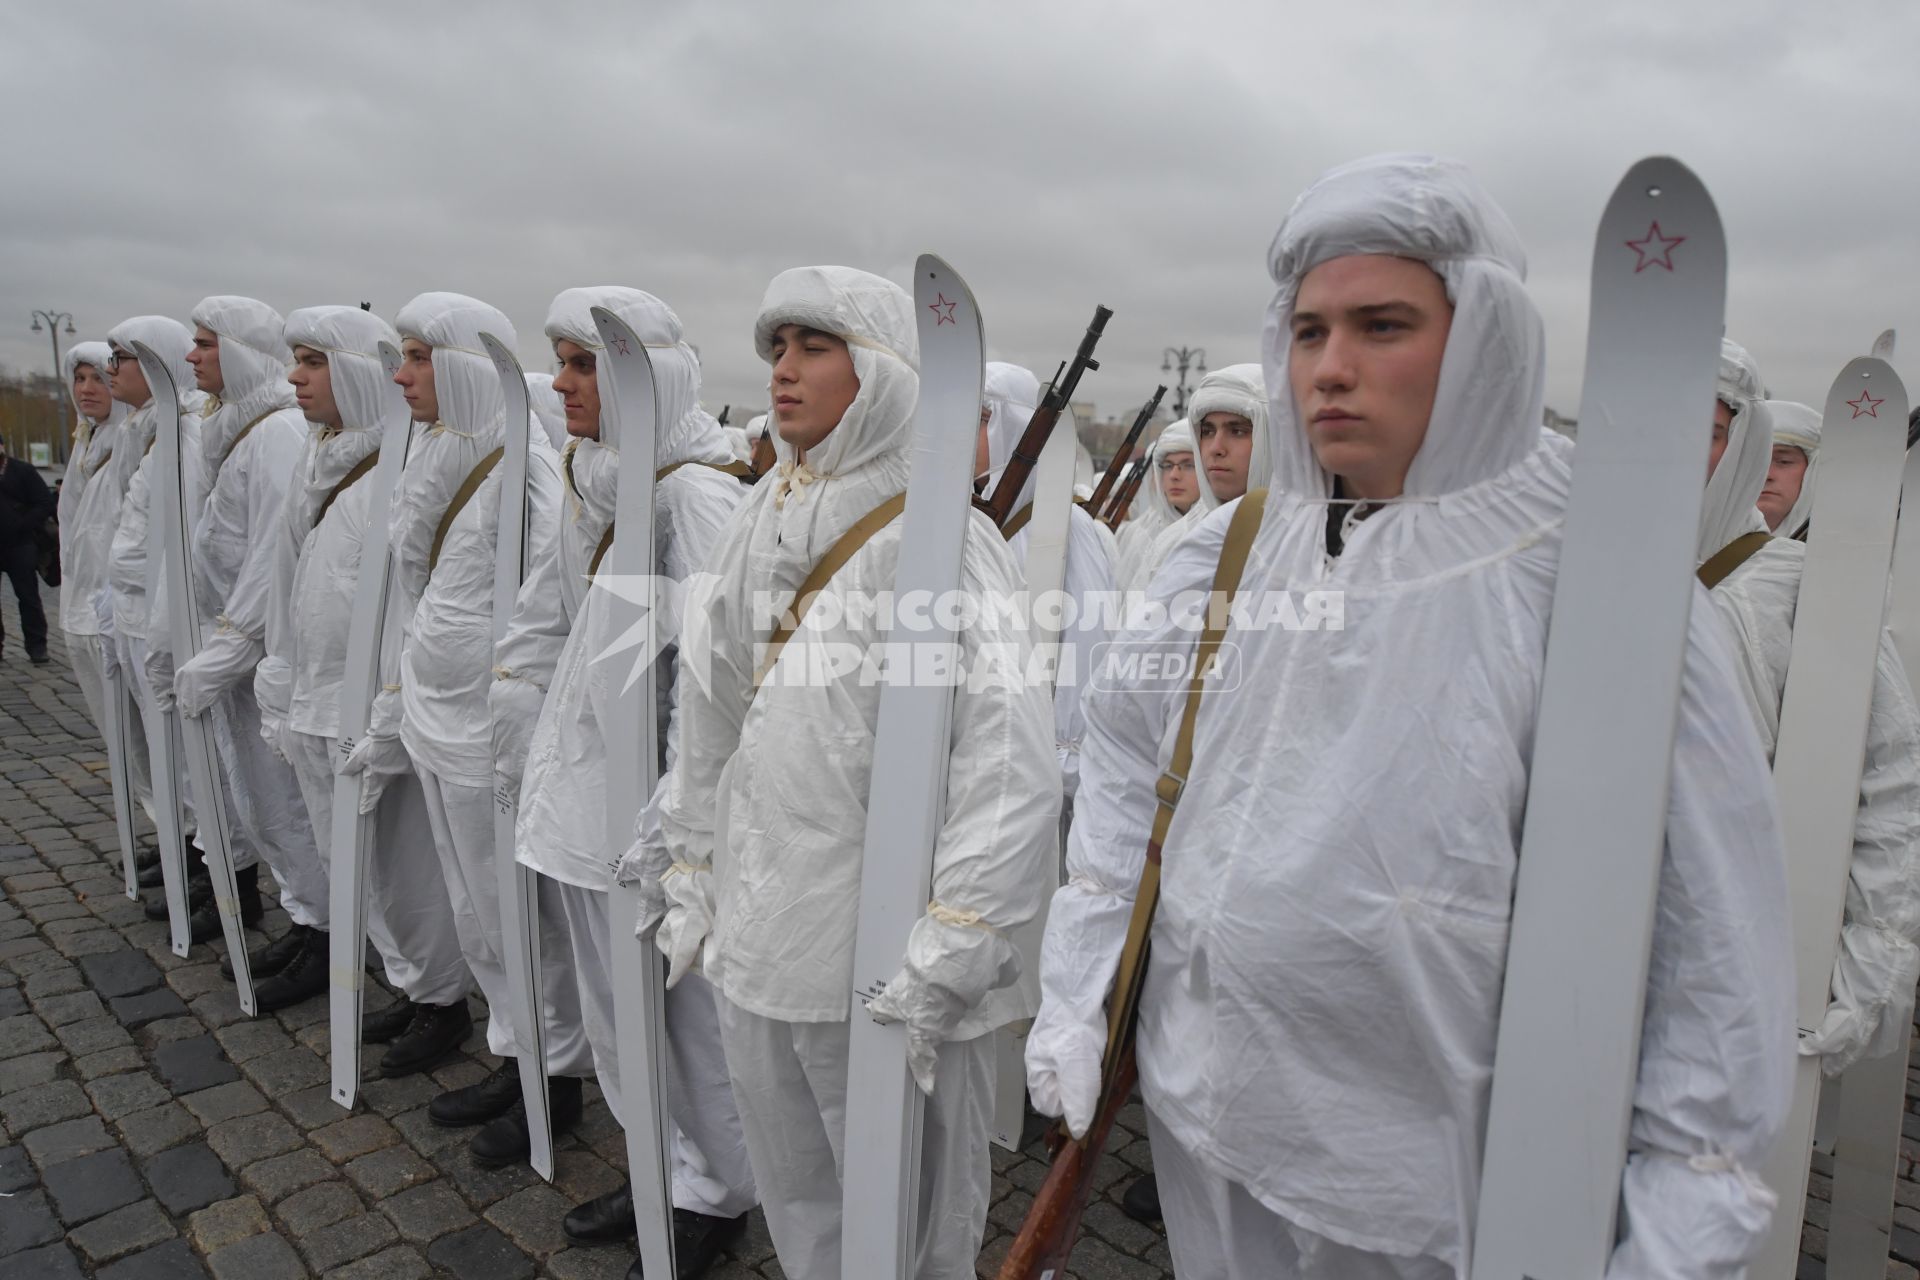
x: 1026, y: 453
x: 1125, y: 497
x: 1052, y: 1225
x: 1123, y: 454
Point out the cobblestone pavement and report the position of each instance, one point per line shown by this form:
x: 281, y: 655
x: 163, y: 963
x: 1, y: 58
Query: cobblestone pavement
x: 149, y: 1131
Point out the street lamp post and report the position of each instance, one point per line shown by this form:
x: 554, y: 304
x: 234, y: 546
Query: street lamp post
x: 53, y: 319
x: 1181, y: 358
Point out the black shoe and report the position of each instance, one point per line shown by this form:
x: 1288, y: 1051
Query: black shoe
x: 38, y: 657
x: 435, y: 1032
x: 272, y: 958
x: 507, y: 1141
x: 478, y: 1103
x: 1141, y: 1201
x: 149, y: 876
x: 606, y: 1219
x: 698, y: 1240
x: 145, y: 858
x: 199, y: 894
x: 204, y: 925
x: 303, y: 977
x: 383, y: 1025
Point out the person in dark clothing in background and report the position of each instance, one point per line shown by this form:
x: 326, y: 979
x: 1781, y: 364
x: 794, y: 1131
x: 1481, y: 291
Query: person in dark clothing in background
x: 26, y: 504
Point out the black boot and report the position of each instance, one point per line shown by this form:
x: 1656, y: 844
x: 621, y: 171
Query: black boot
x: 149, y: 876
x: 698, y: 1240
x: 507, y: 1141
x: 204, y: 925
x: 146, y: 856
x: 1141, y: 1201
x: 303, y: 977
x: 478, y: 1103
x: 606, y: 1219
x: 383, y: 1025
x: 435, y: 1032
x: 199, y: 894
x: 266, y: 961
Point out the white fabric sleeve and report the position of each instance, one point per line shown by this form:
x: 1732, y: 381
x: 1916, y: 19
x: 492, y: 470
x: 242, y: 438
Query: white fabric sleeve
x: 273, y: 678
x: 1716, y: 1067
x: 236, y: 640
x: 1878, y: 963
x: 1089, y: 578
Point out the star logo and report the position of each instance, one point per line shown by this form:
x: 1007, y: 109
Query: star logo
x: 1866, y: 406
x: 620, y: 345
x: 1655, y: 250
x: 943, y: 310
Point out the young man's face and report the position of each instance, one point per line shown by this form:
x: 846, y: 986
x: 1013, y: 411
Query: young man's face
x: 128, y: 383
x: 1178, y: 483
x: 205, y: 359
x: 578, y: 382
x: 1784, y: 478
x: 415, y: 380
x: 312, y: 379
x: 1369, y: 332
x: 1722, y: 427
x: 91, y: 393
x: 1226, y: 449
x: 813, y: 383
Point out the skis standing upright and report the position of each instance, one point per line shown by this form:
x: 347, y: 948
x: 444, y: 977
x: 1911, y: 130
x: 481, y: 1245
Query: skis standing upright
x: 907, y: 799
x: 519, y: 886
x: 116, y: 708
x: 173, y: 511
x: 1048, y: 535
x: 1590, y: 856
x: 353, y: 830
x: 631, y: 410
x: 1873, y: 1093
x: 1823, y: 727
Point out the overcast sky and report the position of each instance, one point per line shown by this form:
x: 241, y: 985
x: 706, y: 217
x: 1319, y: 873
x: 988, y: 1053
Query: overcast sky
x: 1059, y: 155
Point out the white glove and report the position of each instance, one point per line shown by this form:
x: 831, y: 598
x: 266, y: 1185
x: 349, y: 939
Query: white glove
x: 193, y: 687
x: 930, y: 1014
x: 270, y: 734
x: 689, y: 918
x: 1063, y: 1066
x: 515, y: 704
x: 378, y: 760
x: 1861, y: 1021
x: 160, y: 678
x: 635, y: 871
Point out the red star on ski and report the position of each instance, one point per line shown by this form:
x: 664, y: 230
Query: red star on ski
x: 943, y: 310
x: 1866, y: 405
x: 620, y: 345
x: 1655, y: 250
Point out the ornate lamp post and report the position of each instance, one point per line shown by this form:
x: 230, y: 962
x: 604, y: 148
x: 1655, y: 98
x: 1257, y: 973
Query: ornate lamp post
x: 1181, y: 358
x: 53, y: 319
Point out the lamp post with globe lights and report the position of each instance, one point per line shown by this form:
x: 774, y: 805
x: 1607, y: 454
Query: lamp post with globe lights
x: 54, y: 319
x: 1182, y: 358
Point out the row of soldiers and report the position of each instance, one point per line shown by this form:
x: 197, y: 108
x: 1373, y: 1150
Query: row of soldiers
x: 1316, y: 1033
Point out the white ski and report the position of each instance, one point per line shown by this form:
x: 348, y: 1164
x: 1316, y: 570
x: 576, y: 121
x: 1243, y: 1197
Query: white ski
x: 352, y: 830
x: 519, y: 891
x: 633, y: 768
x: 1823, y: 727
x: 1872, y: 1095
x: 175, y: 514
x: 162, y: 729
x: 1046, y: 572
x: 907, y: 798
x: 1590, y: 855
x: 117, y: 711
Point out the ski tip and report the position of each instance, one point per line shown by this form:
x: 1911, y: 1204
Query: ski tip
x: 1867, y: 388
x: 616, y: 335
x: 155, y: 369
x: 389, y: 358
x: 505, y: 363
x: 1883, y: 345
x: 1661, y: 223
x: 941, y: 297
